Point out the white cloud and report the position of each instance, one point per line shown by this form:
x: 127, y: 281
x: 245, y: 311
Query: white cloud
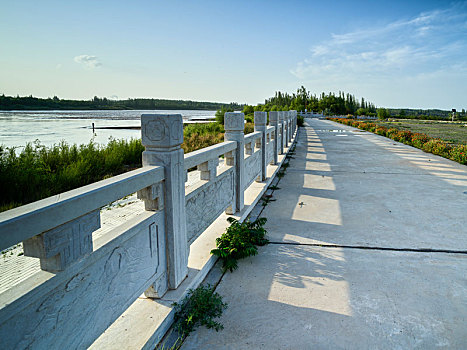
x: 89, y: 62
x: 404, y: 48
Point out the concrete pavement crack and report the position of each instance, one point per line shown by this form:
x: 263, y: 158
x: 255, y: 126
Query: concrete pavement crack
x: 413, y: 250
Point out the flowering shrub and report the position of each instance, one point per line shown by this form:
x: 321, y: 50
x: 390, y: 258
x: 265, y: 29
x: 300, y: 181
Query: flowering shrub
x: 418, y: 139
x: 437, y: 146
x: 422, y: 141
x: 459, y: 154
x: 403, y: 136
x: 391, y: 133
x: 381, y: 130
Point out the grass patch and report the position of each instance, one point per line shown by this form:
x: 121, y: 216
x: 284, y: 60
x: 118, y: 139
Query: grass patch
x: 446, y: 131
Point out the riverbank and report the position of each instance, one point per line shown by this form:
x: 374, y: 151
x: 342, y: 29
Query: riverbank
x: 50, y: 127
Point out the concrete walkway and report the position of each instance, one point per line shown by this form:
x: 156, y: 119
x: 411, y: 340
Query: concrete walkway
x: 369, y: 252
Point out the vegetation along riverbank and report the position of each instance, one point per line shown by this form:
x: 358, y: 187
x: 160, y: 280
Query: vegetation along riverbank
x: 38, y: 172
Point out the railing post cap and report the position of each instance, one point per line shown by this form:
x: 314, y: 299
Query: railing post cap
x: 273, y: 116
x: 234, y: 121
x: 161, y: 130
x: 260, y: 118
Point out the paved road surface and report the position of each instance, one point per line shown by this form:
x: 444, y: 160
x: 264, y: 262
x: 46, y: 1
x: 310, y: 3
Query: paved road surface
x: 370, y: 252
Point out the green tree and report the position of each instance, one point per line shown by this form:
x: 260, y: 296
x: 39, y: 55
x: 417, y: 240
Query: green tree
x: 383, y: 113
x: 361, y: 111
x: 248, y: 109
x: 220, y: 114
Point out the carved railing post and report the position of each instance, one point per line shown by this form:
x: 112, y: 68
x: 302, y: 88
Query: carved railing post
x: 234, y: 124
x: 281, y: 128
x: 162, y: 136
x: 294, y: 114
x: 289, y: 118
x: 260, y: 125
x: 274, y: 121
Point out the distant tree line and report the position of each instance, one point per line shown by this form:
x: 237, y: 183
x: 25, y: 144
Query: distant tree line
x: 344, y: 104
x: 331, y: 103
x: 55, y: 103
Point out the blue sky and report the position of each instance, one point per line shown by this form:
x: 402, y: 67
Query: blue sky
x: 395, y: 54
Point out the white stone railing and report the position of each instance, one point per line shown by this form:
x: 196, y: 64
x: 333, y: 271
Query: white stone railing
x: 85, y: 282
x: 207, y: 198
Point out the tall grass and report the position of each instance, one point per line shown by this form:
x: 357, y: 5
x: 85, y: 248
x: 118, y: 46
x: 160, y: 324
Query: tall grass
x: 39, y: 172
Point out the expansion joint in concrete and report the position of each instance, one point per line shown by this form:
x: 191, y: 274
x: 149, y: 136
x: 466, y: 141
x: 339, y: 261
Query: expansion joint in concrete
x: 413, y: 250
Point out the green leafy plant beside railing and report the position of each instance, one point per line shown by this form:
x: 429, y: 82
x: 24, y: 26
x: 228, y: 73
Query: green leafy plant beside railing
x: 240, y: 240
x: 199, y: 308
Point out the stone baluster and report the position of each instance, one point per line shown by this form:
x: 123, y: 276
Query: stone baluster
x: 208, y: 170
x: 162, y: 136
x: 234, y: 124
x: 274, y: 121
x: 249, y: 148
x: 260, y: 125
x: 61, y: 246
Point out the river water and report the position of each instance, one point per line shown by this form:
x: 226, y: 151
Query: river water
x: 50, y: 127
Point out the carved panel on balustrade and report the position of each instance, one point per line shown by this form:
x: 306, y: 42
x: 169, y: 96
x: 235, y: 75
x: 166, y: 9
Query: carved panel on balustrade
x: 269, y: 152
x: 74, y: 307
x: 206, y: 203
x: 252, y: 168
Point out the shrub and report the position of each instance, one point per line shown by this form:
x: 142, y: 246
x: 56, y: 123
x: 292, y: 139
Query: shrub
x: 418, y: 139
x: 300, y: 120
x: 38, y: 172
x: 381, y: 130
x: 459, y: 154
x: 199, y: 307
x: 403, y: 136
x: 249, y: 128
x: 240, y: 240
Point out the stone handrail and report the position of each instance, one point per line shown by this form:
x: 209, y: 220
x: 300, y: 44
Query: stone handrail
x: 252, y: 136
x: 198, y: 157
x: 27, y: 221
x: 87, y: 282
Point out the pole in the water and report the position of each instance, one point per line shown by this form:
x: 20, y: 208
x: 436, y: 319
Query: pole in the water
x: 93, y: 128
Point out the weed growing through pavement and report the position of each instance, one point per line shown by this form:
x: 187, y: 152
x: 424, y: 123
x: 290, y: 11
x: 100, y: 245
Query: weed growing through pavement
x: 199, y: 308
x: 239, y: 241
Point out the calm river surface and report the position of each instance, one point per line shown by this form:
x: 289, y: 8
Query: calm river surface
x: 50, y: 127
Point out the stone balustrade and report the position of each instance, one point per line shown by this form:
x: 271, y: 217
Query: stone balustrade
x: 85, y: 282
